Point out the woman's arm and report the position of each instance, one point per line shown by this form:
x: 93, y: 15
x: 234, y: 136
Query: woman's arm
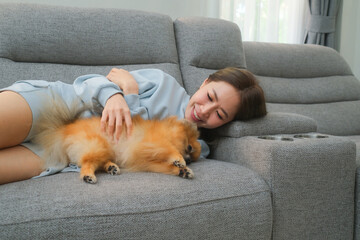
x: 124, y: 80
x: 116, y: 109
x: 94, y: 89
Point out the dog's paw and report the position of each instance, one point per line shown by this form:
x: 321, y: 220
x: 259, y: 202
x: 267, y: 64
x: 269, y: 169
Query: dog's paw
x: 179, y: 163
x: 186, y: 173
x: 113, y: 169
x: 90, y: 179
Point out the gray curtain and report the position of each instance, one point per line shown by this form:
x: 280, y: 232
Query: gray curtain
x: 321, y: 22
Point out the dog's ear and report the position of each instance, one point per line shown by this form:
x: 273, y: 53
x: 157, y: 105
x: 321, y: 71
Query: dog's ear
x: 190, y: 125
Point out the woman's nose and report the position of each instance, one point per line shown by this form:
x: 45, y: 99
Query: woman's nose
x: 209, y: 108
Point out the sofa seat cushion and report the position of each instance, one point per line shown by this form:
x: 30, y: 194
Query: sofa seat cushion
x: 223, y: 201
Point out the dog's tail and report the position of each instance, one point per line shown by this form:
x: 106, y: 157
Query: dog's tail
x: 47, y: 129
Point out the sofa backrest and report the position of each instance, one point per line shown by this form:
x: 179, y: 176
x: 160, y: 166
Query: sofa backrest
x: 310, y: 80
x: 206, y: 45
x: 62, y: 43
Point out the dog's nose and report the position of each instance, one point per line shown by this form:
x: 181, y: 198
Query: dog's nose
x: 187, y: 160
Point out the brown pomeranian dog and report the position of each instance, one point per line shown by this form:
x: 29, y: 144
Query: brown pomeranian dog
x: 162, y: 146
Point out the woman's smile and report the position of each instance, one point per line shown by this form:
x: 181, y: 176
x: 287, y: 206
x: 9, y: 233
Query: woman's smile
x: 195, y: 116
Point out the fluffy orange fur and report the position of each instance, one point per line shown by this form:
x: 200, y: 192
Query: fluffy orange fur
x: 163, y: 146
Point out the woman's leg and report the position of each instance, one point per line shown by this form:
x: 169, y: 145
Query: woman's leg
x: 16, y: 162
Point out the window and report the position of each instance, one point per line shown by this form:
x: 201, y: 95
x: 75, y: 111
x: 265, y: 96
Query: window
x: 266, y: 20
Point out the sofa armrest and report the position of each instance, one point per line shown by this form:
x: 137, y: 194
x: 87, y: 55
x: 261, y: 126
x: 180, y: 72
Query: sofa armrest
x: 311, y: 178
x: 272, y: 123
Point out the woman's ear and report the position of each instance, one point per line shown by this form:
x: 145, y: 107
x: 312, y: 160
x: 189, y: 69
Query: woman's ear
x: 206, y: 81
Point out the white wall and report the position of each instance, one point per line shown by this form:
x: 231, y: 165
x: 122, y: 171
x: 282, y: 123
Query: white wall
x: 348, y: 34
x: 173, y: 8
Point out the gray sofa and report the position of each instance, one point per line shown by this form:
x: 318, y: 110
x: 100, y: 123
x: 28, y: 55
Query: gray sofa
x: 289, y: 175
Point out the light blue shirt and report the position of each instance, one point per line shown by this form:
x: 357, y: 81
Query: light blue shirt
x: 160, y: 95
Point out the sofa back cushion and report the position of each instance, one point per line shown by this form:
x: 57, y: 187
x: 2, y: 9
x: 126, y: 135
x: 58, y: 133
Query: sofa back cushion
x: 311, y: 80
x: 61, y: 43
x: 206, y: 45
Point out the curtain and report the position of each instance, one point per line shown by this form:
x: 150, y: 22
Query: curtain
x: 267, y: 20
x: 321, y: 22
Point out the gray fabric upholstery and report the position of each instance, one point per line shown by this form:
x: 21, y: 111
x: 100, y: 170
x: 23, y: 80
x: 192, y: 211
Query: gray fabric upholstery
x: 272, y: 123
x: 13, y: 71
x: 294, y: 60
x: 337, y: 118
x: 74, y: 36
x: 205, y: 45
x: 357, y: 203
x: 312, y: 182
x: 310, y: 80
x: 313, y: 81
x: 223, y: 201
x: 356, y: 139
x: 310, y: 90
x: 62, y: 43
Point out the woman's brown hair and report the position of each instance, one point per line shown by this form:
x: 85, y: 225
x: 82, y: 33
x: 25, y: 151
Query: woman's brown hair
x: 252, y: 103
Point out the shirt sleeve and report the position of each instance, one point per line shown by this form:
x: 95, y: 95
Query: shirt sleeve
x: 94, y: 89
x: 148, y: 82
x: 205, y: 150
x: 133, y: 101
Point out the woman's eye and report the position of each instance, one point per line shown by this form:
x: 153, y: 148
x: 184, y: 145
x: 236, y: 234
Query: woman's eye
x: 219, y: 115
x: 209, y: 97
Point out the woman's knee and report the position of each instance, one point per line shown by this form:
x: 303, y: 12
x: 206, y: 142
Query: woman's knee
x: 19, y: 163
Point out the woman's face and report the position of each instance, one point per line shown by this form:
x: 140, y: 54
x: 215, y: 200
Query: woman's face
x: 214, y: 104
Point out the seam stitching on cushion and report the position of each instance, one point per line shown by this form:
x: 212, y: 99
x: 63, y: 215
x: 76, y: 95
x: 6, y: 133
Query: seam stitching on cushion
x: 136, y: 213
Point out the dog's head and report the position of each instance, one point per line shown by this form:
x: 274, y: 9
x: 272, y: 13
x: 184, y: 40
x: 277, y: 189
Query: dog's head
x: 184, y: 136
x: 192, y: 147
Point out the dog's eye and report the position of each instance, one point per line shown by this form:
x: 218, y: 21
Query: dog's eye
x: 189, y: 148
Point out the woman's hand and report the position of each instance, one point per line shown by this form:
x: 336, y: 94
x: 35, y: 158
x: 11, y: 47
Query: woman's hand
x: 115, y: 113
x: 124, y: 80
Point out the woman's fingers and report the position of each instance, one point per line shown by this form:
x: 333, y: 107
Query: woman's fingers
x: 111, y: 125
x: 121, y: 119
x: 119, y: 125
x: 116, y: 113
x: 128, y: 123
x: 103, y: 122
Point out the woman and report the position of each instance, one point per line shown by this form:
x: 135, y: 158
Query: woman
x: 226, y: 95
